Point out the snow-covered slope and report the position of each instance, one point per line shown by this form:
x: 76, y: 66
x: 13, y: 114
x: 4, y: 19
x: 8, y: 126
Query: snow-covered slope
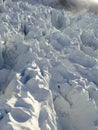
x: 48, y: 67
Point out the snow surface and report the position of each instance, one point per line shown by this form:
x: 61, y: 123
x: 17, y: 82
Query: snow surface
x: 48, y: 67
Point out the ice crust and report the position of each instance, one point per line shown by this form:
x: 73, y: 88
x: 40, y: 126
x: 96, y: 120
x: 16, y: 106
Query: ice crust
x: 48, y: 67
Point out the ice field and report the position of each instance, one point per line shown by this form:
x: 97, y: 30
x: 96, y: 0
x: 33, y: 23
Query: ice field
x: 48, y: 67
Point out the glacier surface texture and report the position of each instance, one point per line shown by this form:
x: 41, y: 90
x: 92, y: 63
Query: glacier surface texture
x: 48, y: 67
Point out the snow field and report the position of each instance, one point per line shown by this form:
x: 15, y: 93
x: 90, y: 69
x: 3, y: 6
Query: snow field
x: 48, y: 68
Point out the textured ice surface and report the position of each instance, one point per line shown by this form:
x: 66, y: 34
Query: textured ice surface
x: 48, y: 67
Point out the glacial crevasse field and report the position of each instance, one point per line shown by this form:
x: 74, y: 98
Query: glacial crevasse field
x: 48, y: 67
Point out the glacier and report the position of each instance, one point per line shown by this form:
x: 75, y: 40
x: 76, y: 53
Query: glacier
x: 48, y: 67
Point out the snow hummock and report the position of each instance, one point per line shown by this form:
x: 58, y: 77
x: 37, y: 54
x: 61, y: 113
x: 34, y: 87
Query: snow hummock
x: 48, y: 67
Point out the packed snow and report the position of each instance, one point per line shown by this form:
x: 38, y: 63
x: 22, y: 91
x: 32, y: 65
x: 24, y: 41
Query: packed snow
x: 48, y: 67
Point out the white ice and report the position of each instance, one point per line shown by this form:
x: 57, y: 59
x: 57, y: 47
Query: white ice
x: 48, y: 67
